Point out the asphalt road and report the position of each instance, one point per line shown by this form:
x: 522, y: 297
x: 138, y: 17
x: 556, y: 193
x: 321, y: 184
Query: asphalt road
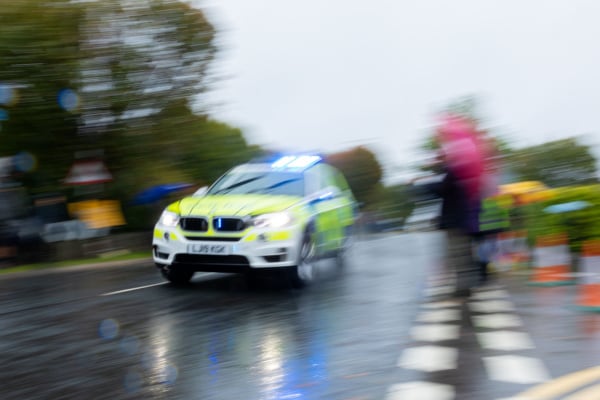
x: 380, y: 329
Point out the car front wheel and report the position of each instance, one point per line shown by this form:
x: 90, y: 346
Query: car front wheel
x: 303, y: 273
x: 177, y: 276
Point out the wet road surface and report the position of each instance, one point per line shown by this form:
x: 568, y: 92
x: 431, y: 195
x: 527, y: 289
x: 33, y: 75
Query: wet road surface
x: 380, y: 329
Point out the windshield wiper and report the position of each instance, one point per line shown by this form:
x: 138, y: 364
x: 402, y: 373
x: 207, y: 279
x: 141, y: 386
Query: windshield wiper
x: 281, y: 183
x: 237, y: 184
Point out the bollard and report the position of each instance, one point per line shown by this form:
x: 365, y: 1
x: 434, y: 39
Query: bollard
x: 588, y: 297
x: 551, y: 261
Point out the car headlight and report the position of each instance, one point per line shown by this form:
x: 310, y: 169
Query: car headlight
x: 273, y: 220
x: 169, y: 218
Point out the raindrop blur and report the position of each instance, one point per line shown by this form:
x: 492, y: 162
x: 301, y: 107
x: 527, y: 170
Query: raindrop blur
x: 24, y: 161
x: 132, y: 381
x: 148, y: 360
x: 108, y: 329
x: 68, y: 99
x: 169, y: 375
x: 7, y: 95
x: 129, y: 345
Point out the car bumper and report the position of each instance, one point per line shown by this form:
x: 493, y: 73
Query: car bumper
x: 257, y: 249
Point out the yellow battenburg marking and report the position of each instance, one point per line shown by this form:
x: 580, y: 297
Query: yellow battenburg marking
x: 158, y: 233
x: 283, y: 235
x: 250, y: 238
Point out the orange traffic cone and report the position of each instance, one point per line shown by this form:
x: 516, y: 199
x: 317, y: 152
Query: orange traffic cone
x: 551, y: 261
x: 589, y: 287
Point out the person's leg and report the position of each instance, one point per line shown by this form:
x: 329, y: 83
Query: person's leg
x: 461, y: 262
x: 481, y: 255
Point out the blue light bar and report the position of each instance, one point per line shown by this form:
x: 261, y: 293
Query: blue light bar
x: 283, y: 161
x: 296, y: 161
x: 304, y: 161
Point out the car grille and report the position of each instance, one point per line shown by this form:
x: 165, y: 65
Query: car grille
x: 214, y: 239
x: 194, y: 224
x: 205, y: 259
x: 224, y: 224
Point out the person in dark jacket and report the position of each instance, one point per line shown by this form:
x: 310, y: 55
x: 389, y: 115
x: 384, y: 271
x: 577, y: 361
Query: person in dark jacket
x: 458, y: 218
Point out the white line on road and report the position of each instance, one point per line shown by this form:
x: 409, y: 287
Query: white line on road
x: 132, y: 289
x: 201, y: 276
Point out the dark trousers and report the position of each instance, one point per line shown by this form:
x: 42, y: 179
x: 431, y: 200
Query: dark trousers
x: 460, y: 261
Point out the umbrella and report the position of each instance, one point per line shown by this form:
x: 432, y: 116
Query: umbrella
x: 464, y: 152
x: 526, y: 192
x: 566, y: 207
x: 156, y: 193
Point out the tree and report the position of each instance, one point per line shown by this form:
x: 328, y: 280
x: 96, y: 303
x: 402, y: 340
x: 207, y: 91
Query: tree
x: 362, y: 171
x: 39, y: 44
x: 563, y: 162
x: 114, y: 75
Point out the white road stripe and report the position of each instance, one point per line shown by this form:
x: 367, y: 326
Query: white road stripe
x: 441, y: 315
x: 495, y: 321
x: 420, y: 391
x: 489, y: 294
x: 505, y: 340
x: 435, y: 332
x: 429, y: 358
x: 491, y: 306
x: 441, y: 304
x: 132, y: 289
x: 516, y: 369
x: 202, y: 276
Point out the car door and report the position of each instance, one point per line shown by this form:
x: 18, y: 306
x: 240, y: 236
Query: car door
x: 328, y: 203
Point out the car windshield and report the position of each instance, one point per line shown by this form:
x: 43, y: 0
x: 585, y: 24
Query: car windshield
x: 277, y: 183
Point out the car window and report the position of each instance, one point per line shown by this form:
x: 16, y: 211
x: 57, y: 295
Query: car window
x: 260, y: 182
x: 312, y: 181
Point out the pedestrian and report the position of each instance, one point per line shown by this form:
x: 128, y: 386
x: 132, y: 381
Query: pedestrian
x: 493, y: 217
x: 461, y: 162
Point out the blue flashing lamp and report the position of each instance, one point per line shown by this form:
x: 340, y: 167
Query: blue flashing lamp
x: 283, y: 161
x: 296, y: 161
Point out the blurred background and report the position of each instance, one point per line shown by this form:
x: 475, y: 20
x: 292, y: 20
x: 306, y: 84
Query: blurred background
x: 111, y: 109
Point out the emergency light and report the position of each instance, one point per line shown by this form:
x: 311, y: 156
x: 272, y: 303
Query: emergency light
x: 296, y: 161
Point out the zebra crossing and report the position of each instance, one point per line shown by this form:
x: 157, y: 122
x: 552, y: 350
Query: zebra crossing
x: 438, y: 349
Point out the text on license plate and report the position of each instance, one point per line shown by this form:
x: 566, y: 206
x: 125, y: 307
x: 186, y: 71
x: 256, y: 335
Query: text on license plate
x: 200, y: 248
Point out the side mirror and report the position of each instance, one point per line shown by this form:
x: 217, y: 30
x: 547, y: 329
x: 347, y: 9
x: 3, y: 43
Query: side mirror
x: 201, y: 192
x: 328, y: 193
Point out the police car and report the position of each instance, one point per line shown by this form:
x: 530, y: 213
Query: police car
x: 277, y: 215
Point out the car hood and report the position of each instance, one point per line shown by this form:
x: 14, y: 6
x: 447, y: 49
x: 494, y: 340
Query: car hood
x: 233, y: 205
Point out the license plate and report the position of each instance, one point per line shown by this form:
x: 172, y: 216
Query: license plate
x: 205, y: 248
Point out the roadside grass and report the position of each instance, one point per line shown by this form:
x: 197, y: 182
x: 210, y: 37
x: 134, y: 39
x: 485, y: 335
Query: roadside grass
x: 84, y: 261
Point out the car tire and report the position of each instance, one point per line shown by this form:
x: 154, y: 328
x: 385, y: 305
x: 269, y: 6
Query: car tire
x: 252, y: 279
x: 341, y: 255
x: 177, y: 276
x: 303, y: 273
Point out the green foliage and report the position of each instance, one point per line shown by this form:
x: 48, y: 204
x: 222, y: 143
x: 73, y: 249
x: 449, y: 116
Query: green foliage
x: 39, y: 56
x: 579, y: 225
x: 136, y: 69
x: 558, y: 163
x: 362, y: 171
x: 397, y: 200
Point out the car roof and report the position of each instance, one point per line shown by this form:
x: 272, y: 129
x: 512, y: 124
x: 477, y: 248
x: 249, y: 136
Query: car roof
x: 286, y: 163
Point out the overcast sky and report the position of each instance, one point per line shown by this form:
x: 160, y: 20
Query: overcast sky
x: 327, y: 75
